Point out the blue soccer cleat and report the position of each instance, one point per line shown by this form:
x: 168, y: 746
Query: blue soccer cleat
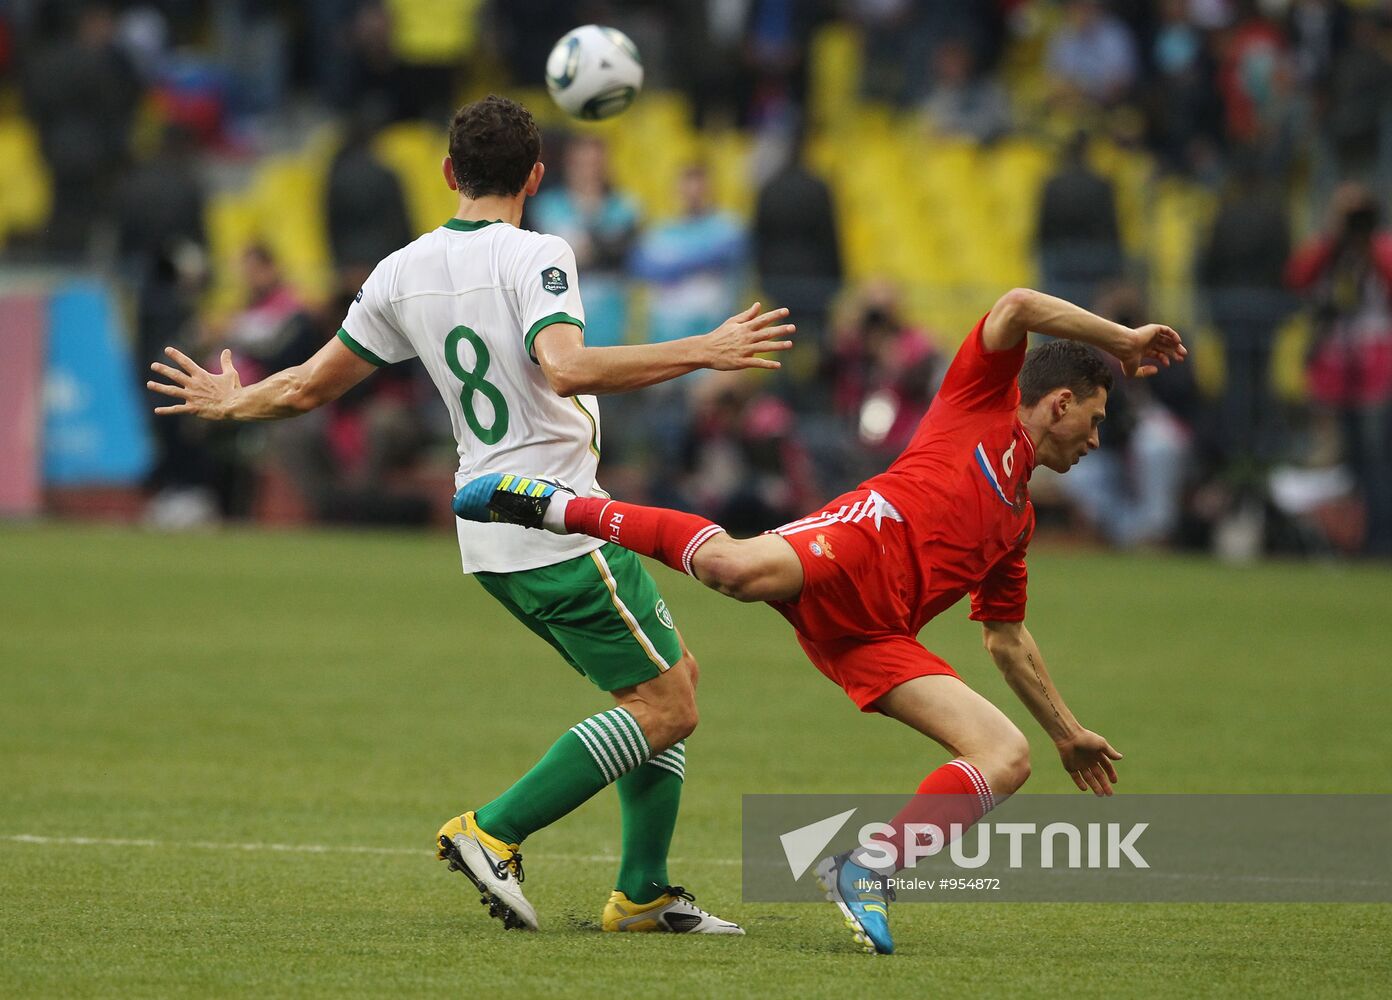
x: 863, y: 899
x: 505, y: 498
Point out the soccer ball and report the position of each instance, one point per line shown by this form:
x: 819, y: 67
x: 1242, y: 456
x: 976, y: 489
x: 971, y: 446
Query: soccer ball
x: 594, y: 72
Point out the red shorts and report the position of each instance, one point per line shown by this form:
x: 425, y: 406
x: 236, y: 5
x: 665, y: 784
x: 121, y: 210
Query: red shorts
x: 868, y: 669
x: 854, y: 614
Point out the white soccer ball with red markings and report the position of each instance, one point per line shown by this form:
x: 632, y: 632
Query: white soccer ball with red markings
x: 594, y: 72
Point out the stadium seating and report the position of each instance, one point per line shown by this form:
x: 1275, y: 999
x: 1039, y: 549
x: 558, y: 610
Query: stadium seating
x: 26, y: 195
x: 951, y: 220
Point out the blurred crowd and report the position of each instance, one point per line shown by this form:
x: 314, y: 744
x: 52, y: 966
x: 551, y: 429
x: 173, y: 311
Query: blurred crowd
x: 1281, y: 109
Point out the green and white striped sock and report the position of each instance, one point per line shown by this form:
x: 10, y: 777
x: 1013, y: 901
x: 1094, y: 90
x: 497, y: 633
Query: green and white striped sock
x: 615, y: 741
x: 592, y: 754
x: 649, y: 799
x: 672, y: 759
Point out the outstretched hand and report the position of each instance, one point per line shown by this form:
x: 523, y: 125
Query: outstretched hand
x: 1087, y: 757
x: 738, y: 342
x: 200, y: 391
x: 1146, y: 349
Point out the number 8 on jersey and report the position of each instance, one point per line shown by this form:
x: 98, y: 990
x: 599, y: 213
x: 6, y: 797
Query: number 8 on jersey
x: 475, y: 382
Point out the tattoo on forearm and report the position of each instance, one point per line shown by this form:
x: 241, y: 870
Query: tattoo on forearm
x: 1035, y: 667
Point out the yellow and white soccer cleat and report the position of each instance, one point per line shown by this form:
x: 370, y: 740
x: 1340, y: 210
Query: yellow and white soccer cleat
x: 494, y: 867
x: 675, y: 911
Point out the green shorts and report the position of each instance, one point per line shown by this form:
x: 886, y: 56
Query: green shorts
x: 601, y: 611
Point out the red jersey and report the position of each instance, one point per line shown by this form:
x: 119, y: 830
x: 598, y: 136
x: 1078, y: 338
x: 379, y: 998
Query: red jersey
x: 961, y: 486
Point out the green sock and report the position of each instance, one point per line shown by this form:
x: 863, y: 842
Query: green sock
x: 648, y: 799
x: 594, y: 753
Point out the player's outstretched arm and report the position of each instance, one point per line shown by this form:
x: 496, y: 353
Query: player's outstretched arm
x: 1142, y: 351
x: 1086, y: 755
x: 573, y: 369
x: 332, y: 371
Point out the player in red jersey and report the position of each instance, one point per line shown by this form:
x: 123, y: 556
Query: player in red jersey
x: 859, y: 578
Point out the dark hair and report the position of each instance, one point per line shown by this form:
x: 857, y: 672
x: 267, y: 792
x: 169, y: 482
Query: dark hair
x: 493, y: 145
x: 1063, y: 364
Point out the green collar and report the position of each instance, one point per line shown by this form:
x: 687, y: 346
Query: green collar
x: 470, y: 226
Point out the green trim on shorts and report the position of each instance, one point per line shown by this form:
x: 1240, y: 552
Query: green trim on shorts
x: 601, y: 611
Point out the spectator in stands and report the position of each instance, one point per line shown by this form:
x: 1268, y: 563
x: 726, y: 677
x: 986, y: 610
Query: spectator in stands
x: 1078, y: 240
x: 1182, y: 101
x: 1346, y: 273
x: 1131, y: 489
x: 1319, y: 31
x: 1249, y: 53
x: 797, y: 249
x: 162, y: 253
x: 1239, y: 272
x: 1357, y: 123
x: 1256, y: 79
x: 6, y: 45
x: 374, y: 74
x: 520, y: 28
x: 695, y: 263
x: 160, y: 206
x: 161, y: 243
x: 253, y: 45
x: 742, y: 456
x: 883, y: 372
x: 600, y: 224
x: 272, y: 331
x: 81, y: 93
x: 963, y: 102
x: 895, y: 42
x: 901, y: 36
x: 707, y: 44
x: 777, y: 38
x: 356, y: 460
x: 365, y: 207
x: 1092, y: 54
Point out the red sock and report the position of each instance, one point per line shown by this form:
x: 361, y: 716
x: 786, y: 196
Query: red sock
x: 668, y: 535
x: 955, y: 793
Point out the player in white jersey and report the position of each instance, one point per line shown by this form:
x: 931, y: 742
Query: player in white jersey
x: 494, y: 314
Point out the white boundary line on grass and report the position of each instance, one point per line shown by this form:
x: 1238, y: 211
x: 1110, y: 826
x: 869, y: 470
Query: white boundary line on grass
x: 208, y: 845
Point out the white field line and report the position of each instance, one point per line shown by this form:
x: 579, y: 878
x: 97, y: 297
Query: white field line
x: 208, y: 845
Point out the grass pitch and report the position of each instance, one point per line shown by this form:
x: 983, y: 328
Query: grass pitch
x: 260, y: 734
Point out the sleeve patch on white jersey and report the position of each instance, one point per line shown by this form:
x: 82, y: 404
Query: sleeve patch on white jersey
x: 554, y: 280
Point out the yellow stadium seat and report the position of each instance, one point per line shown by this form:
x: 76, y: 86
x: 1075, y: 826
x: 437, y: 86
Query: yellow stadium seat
x: 1132, y: 172
x: 648, y: 151
x: 26, y: 196
x: 835, y: 59
x: 1288, y: 358
x: 729, y: 155
x: 1207, y: 357
x: 1014, y: 173
x: 288, y: 196
x: 232, y: 225
x: 434, y: 31
x: 415, y: 151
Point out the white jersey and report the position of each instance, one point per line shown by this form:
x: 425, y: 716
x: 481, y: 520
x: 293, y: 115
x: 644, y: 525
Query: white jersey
x: 468, y: 299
